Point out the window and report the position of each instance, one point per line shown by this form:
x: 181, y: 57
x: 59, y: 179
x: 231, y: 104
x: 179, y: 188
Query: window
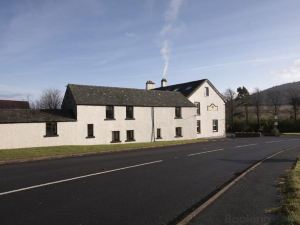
x: 206, y: 91
x: 158, y: 133
x: 51, y: 129
x: 115, y: 136
x: 177, y: 112
x: 215, y: 125
x: 199, y: 126
x: 110, y: 112
x: 130, y: 135
x: 129, y: 112
x: 197, y: 104
x: 178, y: 131
x: 90, y: 131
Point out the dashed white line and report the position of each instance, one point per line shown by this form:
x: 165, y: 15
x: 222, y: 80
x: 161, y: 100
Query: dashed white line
x: 244, y: 146
x: 79, y: 177
x: 201, y: 153
x: 271, y: 142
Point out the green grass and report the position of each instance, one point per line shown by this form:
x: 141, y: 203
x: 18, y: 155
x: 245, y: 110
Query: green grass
x: 291, y: 133
x: 64, y: 151
x: 290, y: 189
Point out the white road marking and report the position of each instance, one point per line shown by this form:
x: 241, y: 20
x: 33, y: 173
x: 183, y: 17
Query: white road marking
x: 271, y: 142
x: 201, y: 153
x: 243, y: 146
x: 79, y: 177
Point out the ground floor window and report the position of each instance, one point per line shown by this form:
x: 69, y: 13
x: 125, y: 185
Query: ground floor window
x: 178, y: 132
x: 51, y: 129
x: 115, y: 136
x: 215, y: 125
x: 90, y: 131
x: 130, y: 135
x: 199, y: 126
x: 158, y: 133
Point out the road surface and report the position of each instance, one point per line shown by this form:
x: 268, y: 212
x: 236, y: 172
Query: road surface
x: 153, y: 186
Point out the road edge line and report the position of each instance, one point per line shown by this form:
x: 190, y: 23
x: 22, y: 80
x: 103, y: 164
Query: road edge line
x: 219, y: 192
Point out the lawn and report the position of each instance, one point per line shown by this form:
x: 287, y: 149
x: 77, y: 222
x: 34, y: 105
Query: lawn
x: 290, y: 207
x: 27, y: 154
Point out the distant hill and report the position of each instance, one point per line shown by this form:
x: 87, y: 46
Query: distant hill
x: 283, y: 91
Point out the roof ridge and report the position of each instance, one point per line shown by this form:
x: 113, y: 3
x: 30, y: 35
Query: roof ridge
x: 99, y: 86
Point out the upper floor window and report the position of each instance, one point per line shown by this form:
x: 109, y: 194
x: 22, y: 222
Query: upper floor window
x: 178, y: 132
x: 215, y: 126
x: 90, y: 131
x: 51, y: 129
x: 110, y: 112
x: 198, y: 106
x: 178, y: 112
x: 129, y: 112
x: 206, y: 91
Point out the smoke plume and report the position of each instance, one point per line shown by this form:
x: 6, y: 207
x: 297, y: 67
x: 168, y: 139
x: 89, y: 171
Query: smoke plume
x: 170, y: 18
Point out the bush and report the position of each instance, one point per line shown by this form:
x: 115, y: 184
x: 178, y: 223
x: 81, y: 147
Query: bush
x: 289, y: 126
x: 275, y: 132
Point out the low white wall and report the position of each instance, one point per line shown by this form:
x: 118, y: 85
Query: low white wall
x: 25, y: 135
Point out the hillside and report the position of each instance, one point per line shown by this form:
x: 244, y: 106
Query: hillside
x: 283, y: 92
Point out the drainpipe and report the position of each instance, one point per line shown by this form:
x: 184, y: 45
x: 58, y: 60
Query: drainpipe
x: 153, y: 125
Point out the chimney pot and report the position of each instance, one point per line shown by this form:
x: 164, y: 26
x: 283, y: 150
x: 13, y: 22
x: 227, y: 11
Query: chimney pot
x: 150, y: 85
x: 164, y: 82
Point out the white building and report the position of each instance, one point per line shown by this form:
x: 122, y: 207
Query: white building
x: 93, y: 115
x: 210, y: 113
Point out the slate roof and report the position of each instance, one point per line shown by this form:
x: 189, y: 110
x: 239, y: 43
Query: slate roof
x: 33, y: 116
x: 187, y: 89
x: 11, y: 104
x: 98, y: 95
x: 184, y: 88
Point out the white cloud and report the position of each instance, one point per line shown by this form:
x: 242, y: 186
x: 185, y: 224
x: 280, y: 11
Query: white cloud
x: 290, y: 74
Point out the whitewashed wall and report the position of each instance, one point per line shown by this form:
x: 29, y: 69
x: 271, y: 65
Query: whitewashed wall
x: 207, y: 116
x: 24, y: 135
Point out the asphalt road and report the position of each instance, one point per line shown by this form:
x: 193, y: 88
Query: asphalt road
x: 152, y: 186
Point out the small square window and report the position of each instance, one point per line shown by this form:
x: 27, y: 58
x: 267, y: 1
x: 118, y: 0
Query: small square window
x: 90, y: 131
x: 130, y: 135
x: 178, y: 114
x: 215, y: 126
x: 178, y: 132
x: 115, y: 136
x: 51, y: 129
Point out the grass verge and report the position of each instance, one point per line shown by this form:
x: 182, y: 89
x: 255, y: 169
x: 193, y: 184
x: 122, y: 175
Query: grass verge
x: 291, y: 134
x: 28, y: 154
x: 290, y: 189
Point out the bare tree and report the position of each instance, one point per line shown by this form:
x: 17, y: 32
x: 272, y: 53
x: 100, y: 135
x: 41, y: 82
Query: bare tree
x: 257, y: 101
x: 50, y: 99
x: 275, y: 100
x: 294, y: 99
x: 230, y: 96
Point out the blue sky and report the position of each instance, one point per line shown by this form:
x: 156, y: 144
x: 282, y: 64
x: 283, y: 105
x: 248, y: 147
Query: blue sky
x: 50, y: 43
